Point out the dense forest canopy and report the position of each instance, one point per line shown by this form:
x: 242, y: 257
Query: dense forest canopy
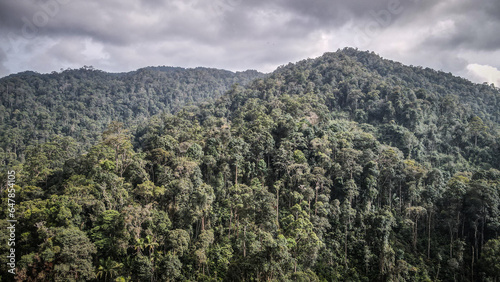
x: 347, y: 167
x: 80, y: 103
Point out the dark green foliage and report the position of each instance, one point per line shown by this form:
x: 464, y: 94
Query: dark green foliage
x: 491, y: 258
x: 346, y: 167
x: 81, y: 102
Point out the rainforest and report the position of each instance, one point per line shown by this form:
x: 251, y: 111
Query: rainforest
x: 345, y: 167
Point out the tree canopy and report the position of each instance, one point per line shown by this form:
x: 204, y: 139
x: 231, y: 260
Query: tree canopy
x: 347, y: 167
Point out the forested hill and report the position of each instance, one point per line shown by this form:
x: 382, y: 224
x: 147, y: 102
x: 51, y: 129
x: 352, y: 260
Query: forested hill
x: 430, y: 116
x: 80, y: 103
x: 330, y: 169
x: 363, y: 69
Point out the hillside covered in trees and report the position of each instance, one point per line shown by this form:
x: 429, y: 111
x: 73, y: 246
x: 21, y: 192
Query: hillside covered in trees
x: 347, y: 167
x: 80, y: 103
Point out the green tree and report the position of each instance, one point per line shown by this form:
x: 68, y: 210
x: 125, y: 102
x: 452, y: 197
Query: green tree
x: 108, y: 268
x: 118, y: 138
x: 73, y: 259
x: 490, y: 260
x: 476, y: 128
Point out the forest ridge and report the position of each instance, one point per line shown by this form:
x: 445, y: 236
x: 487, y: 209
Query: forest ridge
x: 346, y: 167
x: 80, y: 103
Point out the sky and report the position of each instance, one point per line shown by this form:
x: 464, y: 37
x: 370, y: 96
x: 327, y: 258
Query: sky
x: 457, y: 36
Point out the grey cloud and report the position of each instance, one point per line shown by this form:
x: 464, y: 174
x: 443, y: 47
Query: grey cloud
x: 12, y: 12
x: 67, y: 51
x: 475, y: 35
x: 240, y: 34
x: 113, y: 22
x: 476, y: 25
x: 3, y: 70
x: 337, y: 11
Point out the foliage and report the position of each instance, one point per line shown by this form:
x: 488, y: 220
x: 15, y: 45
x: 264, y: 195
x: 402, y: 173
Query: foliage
x: 346, y: 167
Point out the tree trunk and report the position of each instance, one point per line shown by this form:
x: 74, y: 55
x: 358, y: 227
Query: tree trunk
x: 463, y: 227
x: 390, y: 195
x: 277, y: 208
x: 400, y: 199
x: 316, y: 201
x: 345, y: 247
x: 451, y: 241
x: 475, y: 236
x: 244, y: 241
x: 236, y: 176
x: 482, y: 236
x: 472, y: 265
x: 309, y: 206
x: 429, y: 236
x: 230, y: 222
x: 415, y: 235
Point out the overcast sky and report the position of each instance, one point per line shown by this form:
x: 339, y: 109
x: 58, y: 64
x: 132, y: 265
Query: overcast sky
x: 458, y: 36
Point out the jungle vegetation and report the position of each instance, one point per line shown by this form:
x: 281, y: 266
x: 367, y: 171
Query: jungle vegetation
x: 346, y: 167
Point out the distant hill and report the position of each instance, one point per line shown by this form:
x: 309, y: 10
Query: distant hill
x: 80, y: 103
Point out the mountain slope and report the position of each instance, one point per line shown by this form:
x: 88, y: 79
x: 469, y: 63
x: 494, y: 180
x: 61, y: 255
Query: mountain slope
x: 81, y: 103
x: 483, y: 99
x: 424, y: 119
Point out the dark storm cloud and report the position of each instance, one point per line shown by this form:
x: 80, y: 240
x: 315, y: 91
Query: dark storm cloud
x: 115, y: 22
x: 475, y: 27
x: 324, y: 12
x: 238, y: 34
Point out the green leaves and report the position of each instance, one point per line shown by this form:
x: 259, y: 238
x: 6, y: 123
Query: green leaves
x: 108, y: 233
x: 74, y: 261
x: 179, y: 241
x: 346, y: 167
x: 302, y: 241
x: 148, y: 191
x: 490, y: 260
x: 108, y: 269
x: 477, y: 127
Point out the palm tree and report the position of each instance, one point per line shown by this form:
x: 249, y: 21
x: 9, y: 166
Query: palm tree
x: 150, y: 244
x: 109, y: 268
x: 139, y: 245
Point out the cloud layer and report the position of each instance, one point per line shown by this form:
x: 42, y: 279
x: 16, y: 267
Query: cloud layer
x: 46, y: 35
